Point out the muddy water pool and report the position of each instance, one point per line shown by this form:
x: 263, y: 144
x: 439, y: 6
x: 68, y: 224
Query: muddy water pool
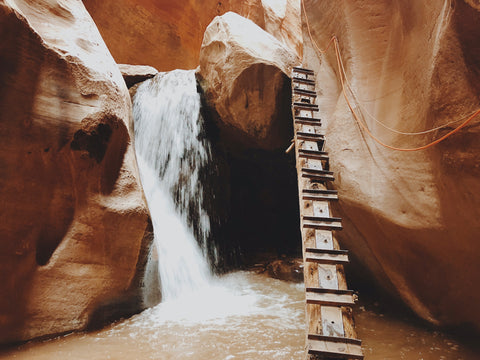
x: 243, y: 316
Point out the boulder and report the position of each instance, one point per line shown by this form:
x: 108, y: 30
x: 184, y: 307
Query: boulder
x: 411, y: 218
x: 75, y: 227
x: 133, y: 74
x: 168, y: 34
x: 244, y: 73
x: 286, y: 269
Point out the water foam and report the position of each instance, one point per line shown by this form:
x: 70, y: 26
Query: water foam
x: 171, y: 153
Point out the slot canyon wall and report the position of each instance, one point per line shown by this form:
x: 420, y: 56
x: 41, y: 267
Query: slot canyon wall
x: 168, y: 34
x: 74, y: 224
x: 410, y: 217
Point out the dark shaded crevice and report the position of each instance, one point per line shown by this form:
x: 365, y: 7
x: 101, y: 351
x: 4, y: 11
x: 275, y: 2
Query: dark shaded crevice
x: 95, y: 142
x: 252, y: 193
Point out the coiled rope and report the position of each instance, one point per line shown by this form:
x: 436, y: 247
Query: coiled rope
x: 346, y: 85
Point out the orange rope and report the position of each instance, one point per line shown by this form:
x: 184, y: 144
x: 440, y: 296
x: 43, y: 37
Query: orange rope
x: 357, y: 119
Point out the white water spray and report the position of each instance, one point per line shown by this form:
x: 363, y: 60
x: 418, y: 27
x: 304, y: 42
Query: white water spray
x: 171, y: 153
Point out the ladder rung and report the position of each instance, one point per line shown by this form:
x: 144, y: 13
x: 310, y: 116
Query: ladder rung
x: 306, y: 105
x: 325, y: 256
x: 316, y: 177
x: 312, y: 154
x: 321, y: 218
x: 317, y: 171
x: 312, y: 122
x: 320, y: 191
x: 307, y: 118
x: 307, y: 195
x: 302, y: 70
x: 304, y: 81
x: 310, y: 136
x: 321, y: 224
x: 334, y: 347
x: 335, y: 339
x: 330, y: 297
x: 305, y: 92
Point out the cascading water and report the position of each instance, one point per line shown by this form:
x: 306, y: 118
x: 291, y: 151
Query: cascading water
x: 171, y: 154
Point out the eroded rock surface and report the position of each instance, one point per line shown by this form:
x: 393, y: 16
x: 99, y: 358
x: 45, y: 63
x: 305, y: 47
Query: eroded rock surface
x: 412, y: 218
x: 73, y: 214
x: 168, y: 34
x: 243, y: 72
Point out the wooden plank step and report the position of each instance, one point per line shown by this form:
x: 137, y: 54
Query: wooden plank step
x: 306, y: 105
x: 317, y: 171
x: 322, y: 223
x: 308, y: 121
x: 329, y: 297
x: 317, y: 177
x: 312, y: 154
x: 303, y: 81
x: 307, y: 118
x: 325, y: 256
x: 301, y: 135
x: 309, y: 93
x: 317, y: 194
x: 334, y: 347
x: 302, y: 70
x: 321, y: 218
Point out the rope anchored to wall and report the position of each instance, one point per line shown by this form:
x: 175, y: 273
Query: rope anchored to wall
x: 346, y: 85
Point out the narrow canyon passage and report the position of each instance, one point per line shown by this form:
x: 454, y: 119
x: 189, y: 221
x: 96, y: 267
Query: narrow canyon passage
x: 202, y: 316
x: 153, y: 213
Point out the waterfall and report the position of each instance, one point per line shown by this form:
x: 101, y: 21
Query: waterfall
x: 171, y: 154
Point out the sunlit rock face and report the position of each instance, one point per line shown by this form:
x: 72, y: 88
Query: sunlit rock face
x: 243, y: 71
x: 168, y: 34
x: 73, y: 216
x: 412, y: 218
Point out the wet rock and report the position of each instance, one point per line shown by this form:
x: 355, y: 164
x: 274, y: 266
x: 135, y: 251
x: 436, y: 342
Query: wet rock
x: 75, y: 228
x: 133, y: 74
x: 286, y: 269
x: 246, y: 82
x: 411, y: 218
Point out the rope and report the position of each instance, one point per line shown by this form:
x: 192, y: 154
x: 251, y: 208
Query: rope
x: 355, y: 97
x: 345, y: 84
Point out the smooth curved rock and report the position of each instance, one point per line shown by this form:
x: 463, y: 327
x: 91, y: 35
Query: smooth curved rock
x: 244, y: 73
x: 168, y: 34
x: 412, y: 218
x: 73, y: 214
x: 133, y: 74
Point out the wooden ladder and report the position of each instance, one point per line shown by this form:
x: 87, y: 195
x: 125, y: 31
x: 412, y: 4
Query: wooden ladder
x: 330, y: 326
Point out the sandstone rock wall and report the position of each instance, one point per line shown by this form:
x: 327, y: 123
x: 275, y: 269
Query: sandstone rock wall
x: 410, y: 217
x: 168, y: 34
x: 73, y: 213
